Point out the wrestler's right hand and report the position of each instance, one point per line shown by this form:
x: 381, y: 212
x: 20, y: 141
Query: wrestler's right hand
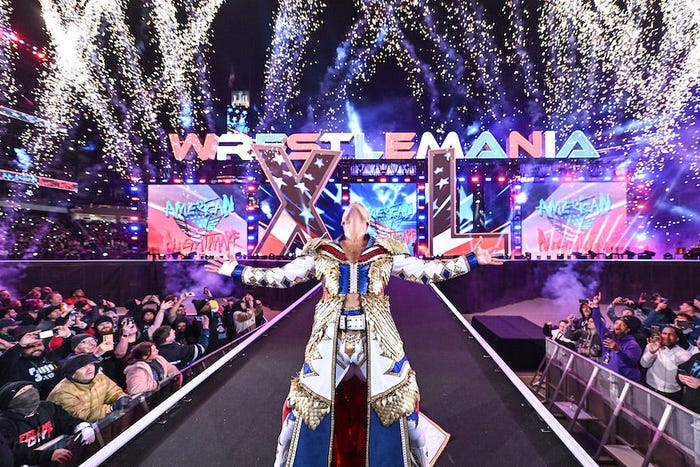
x: 225, y: 268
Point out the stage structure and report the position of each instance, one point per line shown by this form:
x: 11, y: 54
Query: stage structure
x: 439, y: 205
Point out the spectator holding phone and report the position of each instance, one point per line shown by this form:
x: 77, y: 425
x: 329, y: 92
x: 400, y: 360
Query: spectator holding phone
x: 27, y: 423
x: 621, y: 352
x: 661, y: 357
x: 217, y: 328
x: 127, y: 338
x: 659, y: 315
x: 86, y: 393
x: 28, y: 361
x: 178, y: 308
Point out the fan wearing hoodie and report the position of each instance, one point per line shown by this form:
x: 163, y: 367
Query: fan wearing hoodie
x: 27, y: 422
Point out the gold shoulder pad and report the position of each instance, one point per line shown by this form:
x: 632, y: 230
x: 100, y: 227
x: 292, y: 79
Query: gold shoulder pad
x: 312, y: 245
x: 395, y: 247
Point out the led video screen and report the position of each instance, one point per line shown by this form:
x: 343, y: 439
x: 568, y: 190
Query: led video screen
x: 495, y: 213
x: 392, y: 209
x: 199, y: 219
x: 561, y: 218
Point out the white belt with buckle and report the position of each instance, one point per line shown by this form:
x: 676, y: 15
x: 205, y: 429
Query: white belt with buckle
x: 352, y: 322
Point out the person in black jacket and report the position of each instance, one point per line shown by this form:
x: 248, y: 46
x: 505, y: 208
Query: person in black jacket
x: 216, y: 324
x: 28, y: 422
x: 176, y: 353
x: 29, y: 361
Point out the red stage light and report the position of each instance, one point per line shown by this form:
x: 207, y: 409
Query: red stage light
x: 475, y: 179
x: 134, y: 218
x: 252, y: 188
x: 501, y: 179
x: 382, y: 179
x: 228, y: 181
x: 177, y: 180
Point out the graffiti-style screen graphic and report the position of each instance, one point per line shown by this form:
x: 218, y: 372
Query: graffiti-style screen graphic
x: 200, y: 219
x: 392, y: 209
x: 490, y: 214
x: 574, y: 217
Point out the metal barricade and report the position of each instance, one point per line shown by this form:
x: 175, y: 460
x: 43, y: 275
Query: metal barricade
x: 626, y: 420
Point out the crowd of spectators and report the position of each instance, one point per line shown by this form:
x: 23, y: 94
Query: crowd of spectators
x: 68, y: 362
x: 644, y: 340
x: 57, y: 236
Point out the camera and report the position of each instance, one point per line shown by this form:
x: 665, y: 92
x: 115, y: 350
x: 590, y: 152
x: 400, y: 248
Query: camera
x: 583, y: 300
x: 189, y: 294
x: 683, y: 325
x: 655, y: 331
x: 129, y: 320
x: 199, y: 318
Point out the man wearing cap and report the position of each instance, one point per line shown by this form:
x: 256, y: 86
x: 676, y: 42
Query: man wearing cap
x: 28, y: 422
x: 621, y: 352
x: 84, y: 392
x: 661, y: 357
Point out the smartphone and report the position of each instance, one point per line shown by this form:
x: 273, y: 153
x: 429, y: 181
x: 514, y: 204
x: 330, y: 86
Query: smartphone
x: 655, y: 332
x: 108, y: 338
x: 189, y: 294
x: 206, y: 291
x: 48, y: 334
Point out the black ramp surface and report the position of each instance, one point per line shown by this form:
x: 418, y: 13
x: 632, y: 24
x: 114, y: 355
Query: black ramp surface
x: 234, y: 417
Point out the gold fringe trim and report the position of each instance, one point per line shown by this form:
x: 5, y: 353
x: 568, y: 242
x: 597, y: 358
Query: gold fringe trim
x: 307, y: 404
x: 399, y: 402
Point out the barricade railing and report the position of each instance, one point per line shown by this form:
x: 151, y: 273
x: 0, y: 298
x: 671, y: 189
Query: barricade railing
x: 147, y: 408
x: 629, y: 422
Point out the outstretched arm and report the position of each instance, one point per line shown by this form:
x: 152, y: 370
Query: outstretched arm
x: 293, y: 273
x: 418, y: 270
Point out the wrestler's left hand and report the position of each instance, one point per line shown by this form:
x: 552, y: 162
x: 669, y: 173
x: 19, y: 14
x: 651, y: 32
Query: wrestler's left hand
x: 219, y: 266
x: 485, y: 257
